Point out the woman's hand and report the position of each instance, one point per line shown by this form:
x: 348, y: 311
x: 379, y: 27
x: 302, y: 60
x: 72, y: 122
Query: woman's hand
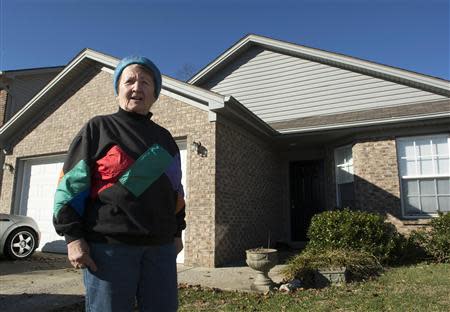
x: 178, y: 244
x: 78, y: 254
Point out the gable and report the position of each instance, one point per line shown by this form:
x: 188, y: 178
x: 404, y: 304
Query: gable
x: 21, y: 85
x: 86, y: 61
x: 278, y: 87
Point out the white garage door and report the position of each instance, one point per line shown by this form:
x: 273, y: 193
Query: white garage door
x: 39, y: 181
x: 183, y: 156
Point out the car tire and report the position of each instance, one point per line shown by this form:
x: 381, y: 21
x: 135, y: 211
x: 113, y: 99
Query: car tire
x: 21, y: 244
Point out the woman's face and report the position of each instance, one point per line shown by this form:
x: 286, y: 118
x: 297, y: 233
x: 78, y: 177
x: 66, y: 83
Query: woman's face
x: 136, y: 91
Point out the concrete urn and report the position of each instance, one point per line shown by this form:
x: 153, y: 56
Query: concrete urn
x: 262, y: 260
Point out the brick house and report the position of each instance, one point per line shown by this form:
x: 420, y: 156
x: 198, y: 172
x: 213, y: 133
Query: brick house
x: 270, y: 133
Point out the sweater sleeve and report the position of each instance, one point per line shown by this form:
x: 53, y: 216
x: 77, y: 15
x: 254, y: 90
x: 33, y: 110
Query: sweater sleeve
x: 73, y: 189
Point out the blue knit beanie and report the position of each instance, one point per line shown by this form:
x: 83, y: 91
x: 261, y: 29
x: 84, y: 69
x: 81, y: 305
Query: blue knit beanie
x: 129, y: 60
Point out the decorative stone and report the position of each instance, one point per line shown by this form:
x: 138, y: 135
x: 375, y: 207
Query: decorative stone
x: 291, y: 286
x: 330, y: 277
x: 262, y: 260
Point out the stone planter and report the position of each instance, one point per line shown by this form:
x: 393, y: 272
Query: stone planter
x: 262, y: 260
x: 330, y: 277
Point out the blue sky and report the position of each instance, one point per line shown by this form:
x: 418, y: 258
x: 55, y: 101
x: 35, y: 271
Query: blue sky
x: 410, y: 34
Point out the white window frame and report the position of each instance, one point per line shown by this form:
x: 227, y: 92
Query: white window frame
x: 418, y: 176
x: 348, y: 164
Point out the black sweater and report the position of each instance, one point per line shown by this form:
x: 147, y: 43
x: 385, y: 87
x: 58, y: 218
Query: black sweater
x: 121, y: 183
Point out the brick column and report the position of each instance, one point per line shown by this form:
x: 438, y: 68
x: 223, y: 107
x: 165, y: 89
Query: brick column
x: 376, y: 176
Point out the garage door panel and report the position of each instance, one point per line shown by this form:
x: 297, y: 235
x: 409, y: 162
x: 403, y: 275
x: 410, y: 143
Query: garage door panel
x: 40, y: 178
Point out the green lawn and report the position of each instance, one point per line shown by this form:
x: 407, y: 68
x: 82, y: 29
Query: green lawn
x: 421, y: 287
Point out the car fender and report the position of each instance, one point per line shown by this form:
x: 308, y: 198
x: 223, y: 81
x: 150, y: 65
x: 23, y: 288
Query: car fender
x: 16, y: 225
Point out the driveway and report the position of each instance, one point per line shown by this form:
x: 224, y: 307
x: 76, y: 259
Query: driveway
x: 42, y: 283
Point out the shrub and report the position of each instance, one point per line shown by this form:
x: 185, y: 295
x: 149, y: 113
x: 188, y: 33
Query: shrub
x: 360, y: 265
x: 354, y: 230
x: 409, y: 250
x: 436, y: 241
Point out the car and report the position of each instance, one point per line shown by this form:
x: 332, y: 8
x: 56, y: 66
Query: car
x: 19, y: 236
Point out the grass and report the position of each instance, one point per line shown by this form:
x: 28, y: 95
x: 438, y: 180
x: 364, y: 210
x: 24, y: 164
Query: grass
x: 423, y: 287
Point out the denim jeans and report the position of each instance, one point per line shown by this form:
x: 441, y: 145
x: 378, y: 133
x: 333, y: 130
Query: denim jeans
x: 127, y: 273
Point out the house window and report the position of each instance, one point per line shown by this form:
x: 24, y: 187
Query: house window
x: 424, y: 169
x: 344, y: 176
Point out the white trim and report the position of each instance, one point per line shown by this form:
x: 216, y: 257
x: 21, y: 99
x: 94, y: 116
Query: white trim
x: 365, y: 123
x: 418, y: 137
x: 346, y: 61
x: 419, y: 177
x: 194, y: 91
x: 59, y: 156
x: 212, y: 117
x: 425, y: 177
x: 182, y: 145
x: 184, y: 99
x: 100, y: 57
x: 22, y: 193
x: 107, y: 70
x: 336, y: 151
x: 207, y: 100
x: 220, y: 59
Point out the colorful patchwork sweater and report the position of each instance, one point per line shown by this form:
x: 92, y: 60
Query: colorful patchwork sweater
x: 121, y: 183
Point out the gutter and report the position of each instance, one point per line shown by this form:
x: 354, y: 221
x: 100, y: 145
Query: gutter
x: 364, y: 123
x: 233, y: 108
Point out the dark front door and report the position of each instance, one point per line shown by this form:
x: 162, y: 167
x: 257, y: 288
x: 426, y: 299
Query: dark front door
x: 307, y: 195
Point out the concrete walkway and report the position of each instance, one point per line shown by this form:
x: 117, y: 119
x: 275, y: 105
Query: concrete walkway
x: 228, y: 278
x: 47, y: 282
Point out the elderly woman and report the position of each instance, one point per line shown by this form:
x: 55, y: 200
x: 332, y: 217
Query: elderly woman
x: 120, y: 202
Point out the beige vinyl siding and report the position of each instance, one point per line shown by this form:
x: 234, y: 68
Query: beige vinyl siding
x: 278, y: 87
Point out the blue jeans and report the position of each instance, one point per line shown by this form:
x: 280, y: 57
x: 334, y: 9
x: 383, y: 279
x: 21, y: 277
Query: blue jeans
x: 126, y: 273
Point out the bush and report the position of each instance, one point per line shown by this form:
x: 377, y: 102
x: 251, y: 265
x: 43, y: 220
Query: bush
x: 360, y: 265
x: 354, y: 230
x: 410, y: 251
x: 436, y: 241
